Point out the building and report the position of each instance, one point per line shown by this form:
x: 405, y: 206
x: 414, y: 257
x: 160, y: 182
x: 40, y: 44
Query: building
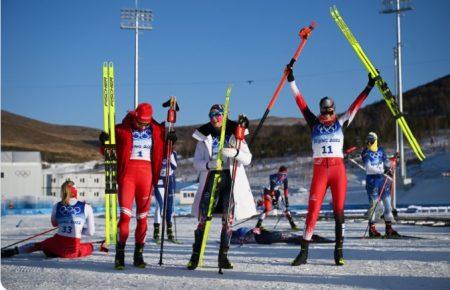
x: 90, y: 184
x: 187, y: 194
x: 21, y: 174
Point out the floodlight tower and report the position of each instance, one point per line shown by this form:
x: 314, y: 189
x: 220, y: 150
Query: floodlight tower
x: 399, y: 6
x: 136, y: 19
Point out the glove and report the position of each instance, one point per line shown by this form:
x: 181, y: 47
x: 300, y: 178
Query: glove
x: 212, y: 165
x: 103, y: 137
x: 371, y: 81
x: 230, y: 152
x: 243, y: 120
x: 388, y: 172
x: 286, y: 201
x: 290, y: 76
x: 172, y: 136
x: 274, y: 201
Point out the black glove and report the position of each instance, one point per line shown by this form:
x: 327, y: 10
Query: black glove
x: 371, y: 81
x: 103, y: 137
x: 286, y: 201
x: 388, y: 172
x: 243, y: 120
x: 172, y: 136
x: 290, y: 76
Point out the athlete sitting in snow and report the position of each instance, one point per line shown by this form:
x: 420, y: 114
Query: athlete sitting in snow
x: 263, y: 236
x: 271, y: 197
x: 377, y: 163
x: 73, y: 218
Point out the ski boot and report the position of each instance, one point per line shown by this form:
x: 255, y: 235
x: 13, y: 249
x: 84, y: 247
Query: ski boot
x: 224, y: 263
x: 119, y: 261
x: 390, y: 232
x: 170, y: 235
x: 195, y: 258
x: 302, y: 257
x: 138, y: 259
x: 338, y: 255
x: 373, y: 233
x: 6, y: 253
x: 156, y: 237
x: 292, y: 223
x: 259, y: 224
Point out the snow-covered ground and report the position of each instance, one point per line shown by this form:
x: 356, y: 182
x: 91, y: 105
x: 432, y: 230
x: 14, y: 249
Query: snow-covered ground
x: 382, y: 264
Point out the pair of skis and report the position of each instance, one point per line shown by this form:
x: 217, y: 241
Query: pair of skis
x: 109, y: 123
x: 380, y: 83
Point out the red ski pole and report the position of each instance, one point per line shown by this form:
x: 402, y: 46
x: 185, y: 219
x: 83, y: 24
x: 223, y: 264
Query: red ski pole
x: 304, y: 34
x: 32, y: 237
x: 239, y: 135
x: 171, y: 119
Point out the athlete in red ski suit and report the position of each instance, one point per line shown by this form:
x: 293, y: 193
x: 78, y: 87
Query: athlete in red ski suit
x: 73, y: 218
x: 140, y: 148
x: 328, y: 170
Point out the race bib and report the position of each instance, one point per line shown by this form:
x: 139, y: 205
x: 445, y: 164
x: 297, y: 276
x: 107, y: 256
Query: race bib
x: 142, y: 145
x: 327, y: 141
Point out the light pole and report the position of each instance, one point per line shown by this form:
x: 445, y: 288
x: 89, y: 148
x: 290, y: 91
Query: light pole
x: 136, y: 19
x: 399, y: 6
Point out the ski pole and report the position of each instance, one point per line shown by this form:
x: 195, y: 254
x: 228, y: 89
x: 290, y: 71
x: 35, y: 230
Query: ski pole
x: 239, y: 135
x: 175, y: 224
x: 380, y: 194
x: 304, y: 34
x: 284, y: 213
x: 249, y: 218
x: 171, y: 119
x: 29, y: 238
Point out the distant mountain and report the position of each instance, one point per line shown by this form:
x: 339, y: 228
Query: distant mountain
x: 57, y: 143
x: 427, y: 110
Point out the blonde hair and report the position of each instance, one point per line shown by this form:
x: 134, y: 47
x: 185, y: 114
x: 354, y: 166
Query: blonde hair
x: 66, y: 194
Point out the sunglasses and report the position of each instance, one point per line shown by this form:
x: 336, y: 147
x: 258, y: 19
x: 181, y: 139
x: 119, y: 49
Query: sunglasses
x: 215, y: 114
x: 142, y: 124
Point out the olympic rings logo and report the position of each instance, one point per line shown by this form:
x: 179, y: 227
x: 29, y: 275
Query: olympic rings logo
x: 375, y: 155
x: 22, y: 173
x: 69, y: 210
x: 142, y: 135
x: 327, y: 129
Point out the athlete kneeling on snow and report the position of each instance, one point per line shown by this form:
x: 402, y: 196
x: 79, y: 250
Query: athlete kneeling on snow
x: 205, y: 161
x: 278, y: 183
x: 377, y: 163
x: 73, y: 218
x: 140, y: 148
x: 329, y: 171
x: 159, y: 196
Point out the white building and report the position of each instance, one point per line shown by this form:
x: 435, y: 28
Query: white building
x: 90, y: 184
x: 21, y: 174
x: 187, y: 194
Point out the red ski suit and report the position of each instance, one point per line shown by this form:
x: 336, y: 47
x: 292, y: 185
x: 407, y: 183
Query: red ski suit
x: 66, y: 243
x: 328, y: 168
x: 135, y: 177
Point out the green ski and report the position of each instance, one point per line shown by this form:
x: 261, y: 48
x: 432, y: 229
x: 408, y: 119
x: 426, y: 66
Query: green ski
x: 380, y: 83
x: 216, y: 176
x: 109, y: 121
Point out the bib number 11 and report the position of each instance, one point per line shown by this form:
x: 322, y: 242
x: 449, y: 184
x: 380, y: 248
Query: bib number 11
x: 326, y: 150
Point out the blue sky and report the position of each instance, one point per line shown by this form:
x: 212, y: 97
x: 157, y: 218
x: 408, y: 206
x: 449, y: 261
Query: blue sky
x: 52, y: 54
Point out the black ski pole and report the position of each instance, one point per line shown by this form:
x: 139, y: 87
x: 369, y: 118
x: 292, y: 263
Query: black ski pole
x: 239, y: 134
x: 171, y: 119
